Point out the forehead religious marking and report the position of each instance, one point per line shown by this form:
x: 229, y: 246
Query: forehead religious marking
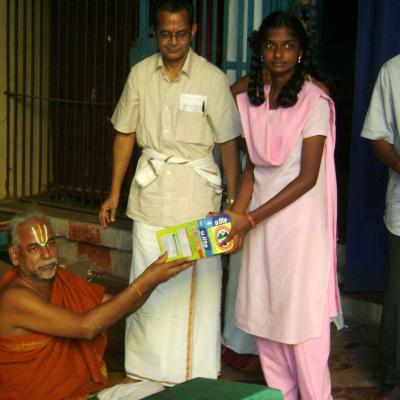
x: 40, y: 233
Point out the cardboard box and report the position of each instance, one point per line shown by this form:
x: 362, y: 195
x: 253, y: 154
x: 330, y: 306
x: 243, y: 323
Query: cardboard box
x: 196, y: 239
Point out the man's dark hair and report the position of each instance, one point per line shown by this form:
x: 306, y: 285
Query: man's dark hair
x: 172, y: 6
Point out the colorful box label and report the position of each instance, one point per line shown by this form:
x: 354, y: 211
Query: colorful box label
x: 196, y: 239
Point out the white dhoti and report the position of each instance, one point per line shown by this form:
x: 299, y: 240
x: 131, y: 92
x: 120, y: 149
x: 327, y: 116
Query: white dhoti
x: 175, y: 335
x: 130, y: 391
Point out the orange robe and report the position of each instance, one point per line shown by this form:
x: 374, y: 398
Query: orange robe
x: 41, y: 367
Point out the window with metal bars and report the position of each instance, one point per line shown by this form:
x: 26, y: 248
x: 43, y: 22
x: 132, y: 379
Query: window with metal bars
x: 66, y: 65
x: 67, y: 62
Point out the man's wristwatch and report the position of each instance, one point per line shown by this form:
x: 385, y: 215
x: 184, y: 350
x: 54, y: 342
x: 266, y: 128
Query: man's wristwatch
x: 229, y: 200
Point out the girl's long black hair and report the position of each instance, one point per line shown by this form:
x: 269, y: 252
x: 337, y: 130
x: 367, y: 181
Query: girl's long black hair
x: 288, y: 94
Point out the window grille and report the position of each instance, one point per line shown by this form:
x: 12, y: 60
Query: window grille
x: 67, y: 62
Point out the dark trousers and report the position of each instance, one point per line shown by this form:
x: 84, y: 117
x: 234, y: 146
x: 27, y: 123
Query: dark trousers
x: 390, y: 326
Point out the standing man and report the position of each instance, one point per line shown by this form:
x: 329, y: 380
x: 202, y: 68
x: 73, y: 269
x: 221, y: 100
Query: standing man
x: 382, y: 126
x: 176, y: 106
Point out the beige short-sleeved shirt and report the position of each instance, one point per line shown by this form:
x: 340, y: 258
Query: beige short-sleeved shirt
x: 165, y: 119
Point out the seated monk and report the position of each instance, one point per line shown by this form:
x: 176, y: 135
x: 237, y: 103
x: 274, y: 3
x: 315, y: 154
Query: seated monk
x: 52, y: 322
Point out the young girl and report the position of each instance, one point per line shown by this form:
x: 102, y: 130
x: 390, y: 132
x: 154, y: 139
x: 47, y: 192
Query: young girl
x: 288, y: 289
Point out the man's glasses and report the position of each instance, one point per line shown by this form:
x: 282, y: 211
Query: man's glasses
x: 180, y: 35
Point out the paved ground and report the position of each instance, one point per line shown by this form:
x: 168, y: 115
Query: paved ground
x: 353, y: 362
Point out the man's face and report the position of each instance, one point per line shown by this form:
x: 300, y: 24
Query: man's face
x: 174, y: 35
x: 36, y: 252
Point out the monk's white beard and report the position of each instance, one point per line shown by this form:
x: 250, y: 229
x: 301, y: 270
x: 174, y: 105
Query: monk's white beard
x: 46, y: 274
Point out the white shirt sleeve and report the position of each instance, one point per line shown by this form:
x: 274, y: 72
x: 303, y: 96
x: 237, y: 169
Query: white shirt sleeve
x: 379, y: 121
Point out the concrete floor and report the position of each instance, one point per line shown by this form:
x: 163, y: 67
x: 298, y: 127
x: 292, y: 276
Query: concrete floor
x: 353, y: 362
x: 354, y: 355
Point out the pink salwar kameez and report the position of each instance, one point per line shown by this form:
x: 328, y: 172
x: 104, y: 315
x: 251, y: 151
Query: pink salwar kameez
x: 288, y: 288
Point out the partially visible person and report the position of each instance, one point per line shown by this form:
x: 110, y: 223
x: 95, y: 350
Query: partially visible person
x: 381, y: 127
x: 238, y: 348
x: 53, y: 323
x: 178, y: 107
x: 285, y: 213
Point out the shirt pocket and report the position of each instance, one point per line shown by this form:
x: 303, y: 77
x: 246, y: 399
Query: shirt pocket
x: 192, y: 127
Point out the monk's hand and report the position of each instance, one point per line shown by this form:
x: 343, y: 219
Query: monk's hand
x: 161, y: 270
x: 108, y: 210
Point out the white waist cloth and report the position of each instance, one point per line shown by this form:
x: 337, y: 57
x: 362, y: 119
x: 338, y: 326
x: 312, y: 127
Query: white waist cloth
x: 130, y: 391
x: 175, y: 335
x: 154, y: 166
